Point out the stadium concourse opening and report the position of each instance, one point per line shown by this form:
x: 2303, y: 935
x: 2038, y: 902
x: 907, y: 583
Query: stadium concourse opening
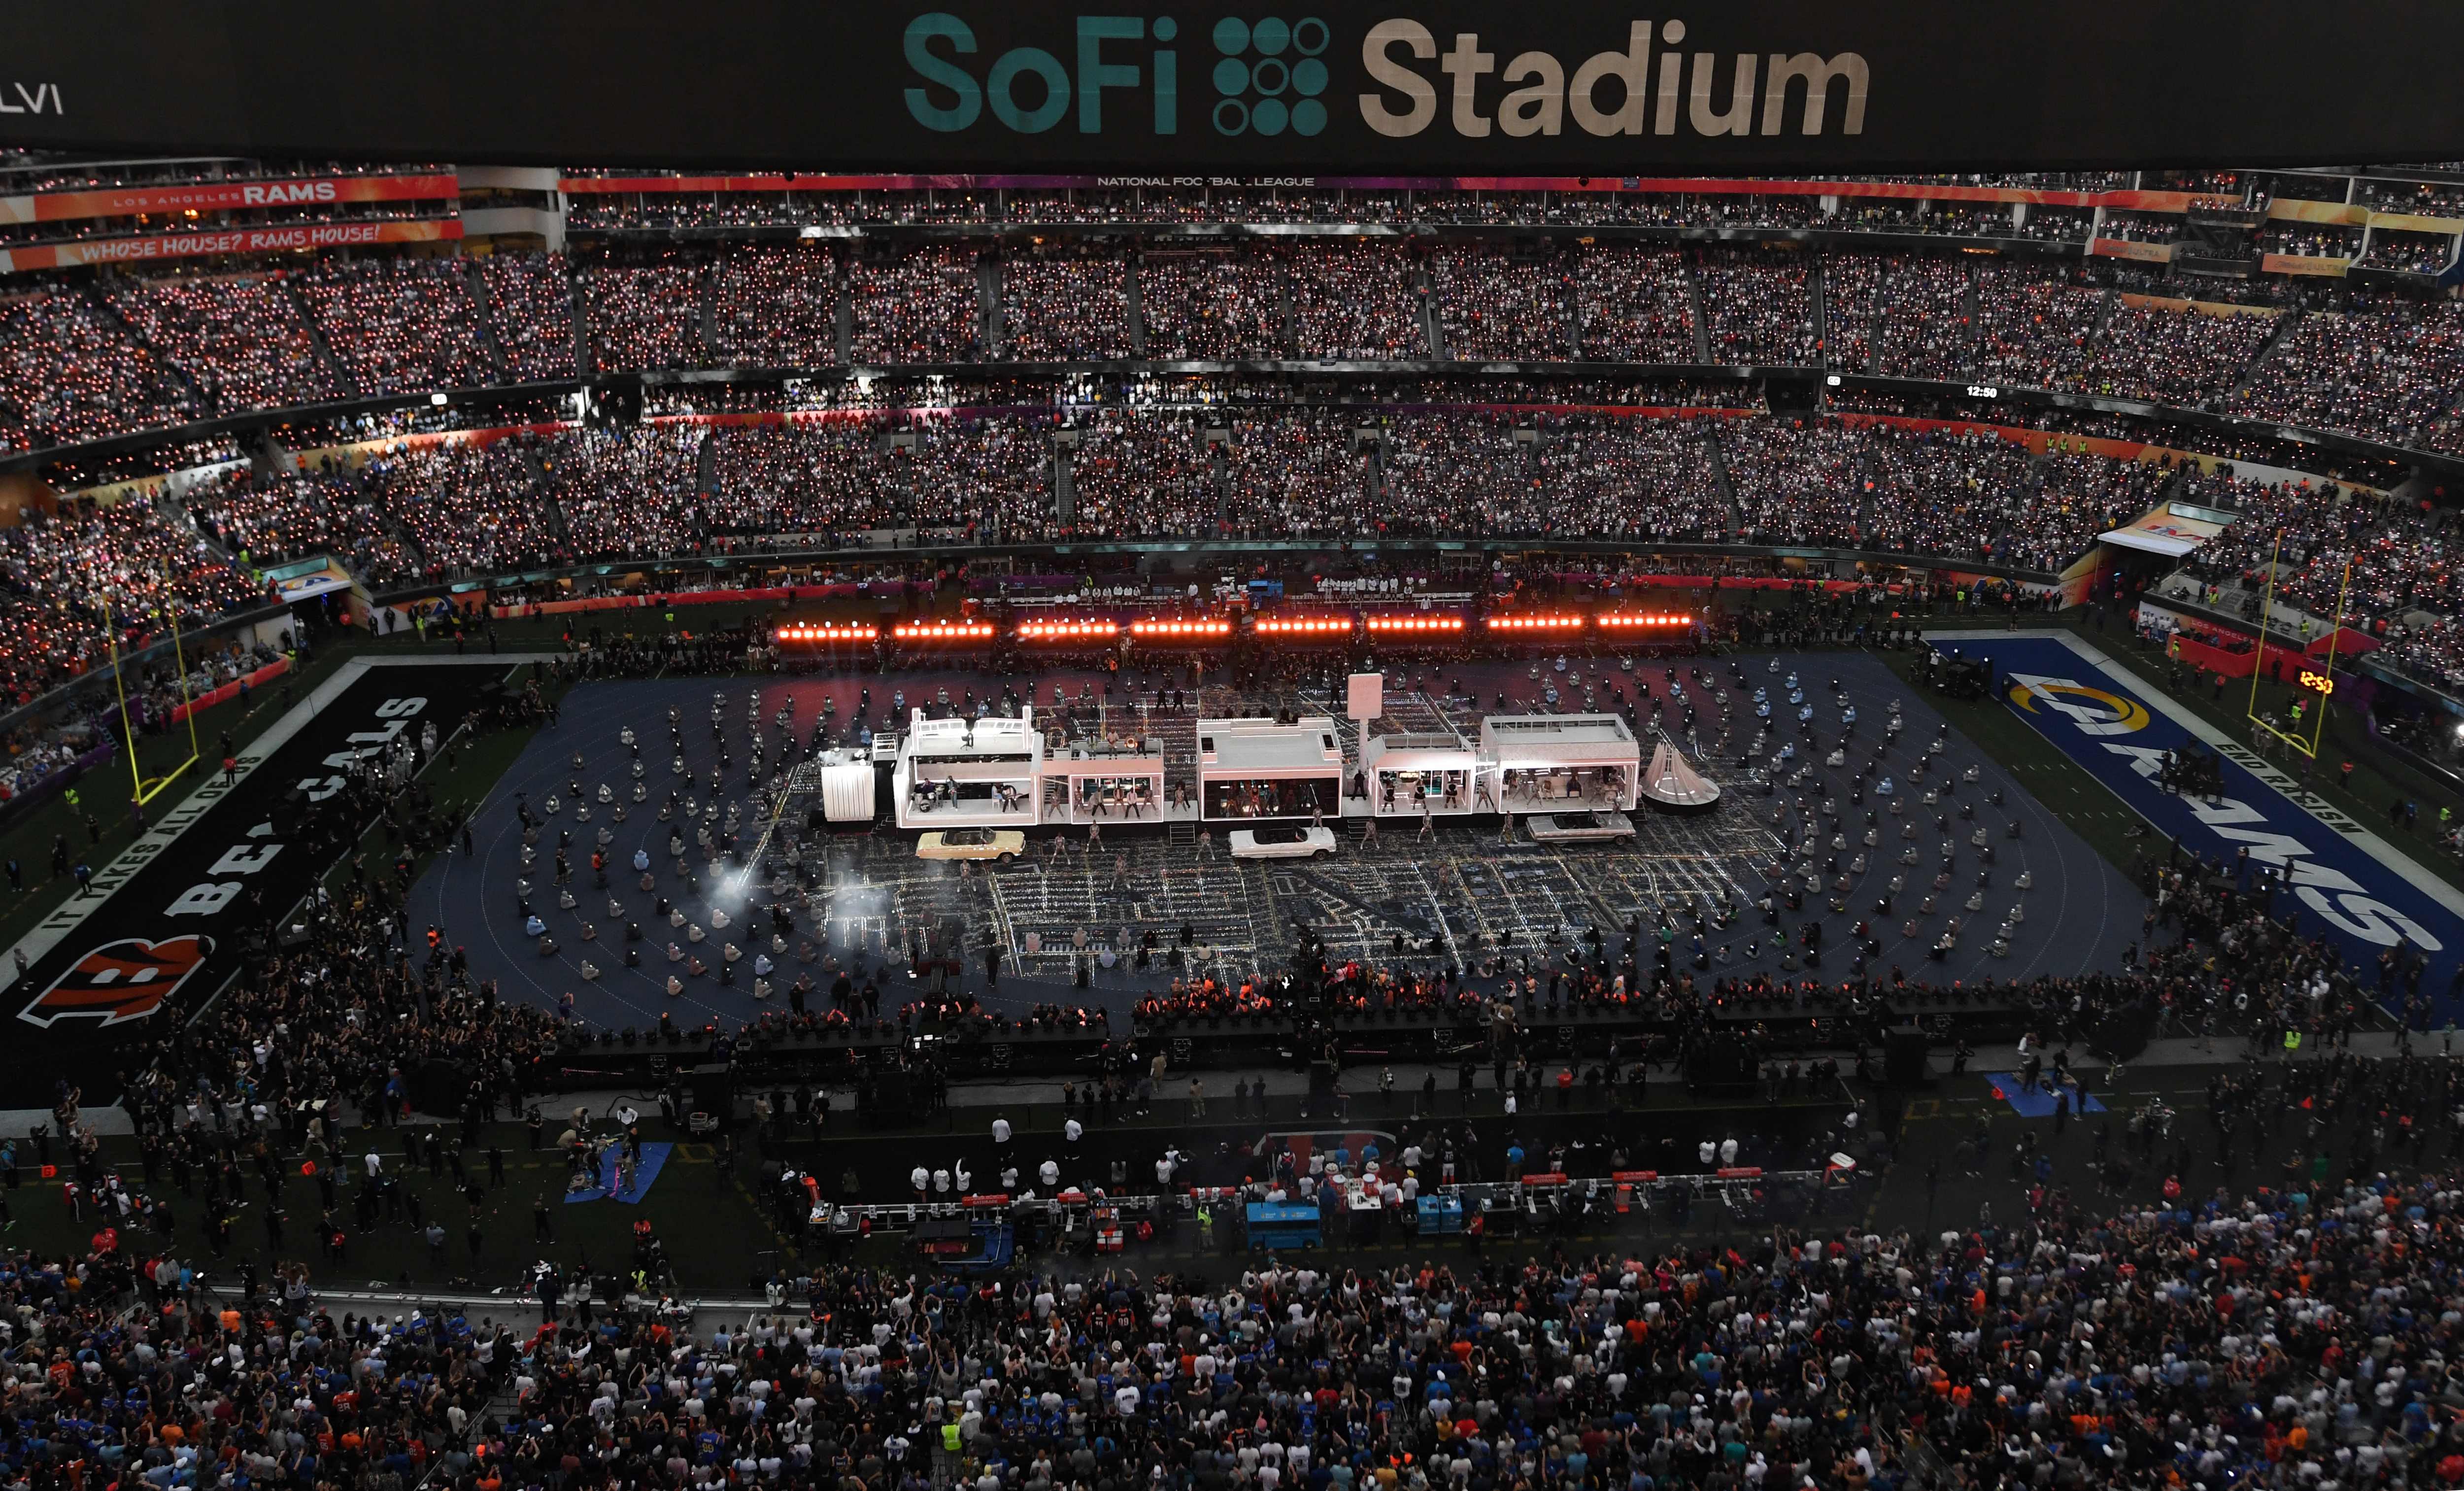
x: 1203, y: 751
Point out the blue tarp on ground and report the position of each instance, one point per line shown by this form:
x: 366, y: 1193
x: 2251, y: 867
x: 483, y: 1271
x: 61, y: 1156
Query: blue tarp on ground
x: 2036, y: 1102
x: 653, y: 1157
x: 2339, y: 886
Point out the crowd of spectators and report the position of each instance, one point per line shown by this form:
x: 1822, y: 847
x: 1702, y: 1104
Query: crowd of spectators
x: 2140, y: 227
x: 1062, y: 307
x: 844, y: 478
x: 398, y: 325
x: 1926, y: 325
x: 1145, y: 475
x: 2034, y: 325
x: 2413, y: 198
x: 239, y: 338
x: 2188, y: 358
x: 777, y: 306
x: 1607, y: 477
x: 921, y: 305
x: 1634, y: 303
x: 1295, y: 473
x: 2400, y: 558
x: 2084, y: 495
x: 530, y: 309
x: 819, y: 477
x: 645, y: 311
x: 2417, y: 254
x: 1797, y: 480
x: 266, y: 518
x: 2309, y: 240
x: 1759, y: 304
x: 131, y: 354
x: 1450, y: 474
x: 466, y: 505
x: 975, y: 478
x: 1210, y: 306
x: 1944, y: 491
x: 626, y: 491
x: 1496, y: 305
x: 2379, y: 369
x: 73, y: 580
x: 69, y: 372
x: 1852, y: 298
x: 1355, y: 303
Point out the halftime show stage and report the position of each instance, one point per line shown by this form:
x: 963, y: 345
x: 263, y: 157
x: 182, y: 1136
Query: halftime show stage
x: 1466, y: 896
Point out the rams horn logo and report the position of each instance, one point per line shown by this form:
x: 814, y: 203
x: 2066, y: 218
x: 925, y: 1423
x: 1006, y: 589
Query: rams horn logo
x: 120, y: 981
x: 2095, y: 712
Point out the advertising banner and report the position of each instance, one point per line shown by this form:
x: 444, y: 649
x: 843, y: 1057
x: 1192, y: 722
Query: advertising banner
x: 223, y: 196
x: 235, y: 240
x: 2411, y: 223
x: 2302, y: 210
x: 1583, y: 87
x: 2342, y: 880
x: 2303, y: 264
x: 2131, y: 249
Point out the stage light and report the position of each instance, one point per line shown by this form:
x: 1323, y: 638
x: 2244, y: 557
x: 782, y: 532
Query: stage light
x: 825, y: 631
x: 1534, y: 623
x: 1304, y: 625
x: 1181, y: 631
x: 1078, y: 631
x: 942, y: 631
x: 1416, y: 624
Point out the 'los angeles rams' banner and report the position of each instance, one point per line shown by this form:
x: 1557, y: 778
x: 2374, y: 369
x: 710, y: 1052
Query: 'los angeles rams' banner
x: 2343, y: 879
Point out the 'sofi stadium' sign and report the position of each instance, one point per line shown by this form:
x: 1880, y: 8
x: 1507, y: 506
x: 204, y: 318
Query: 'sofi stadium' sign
x: 1584, y: 86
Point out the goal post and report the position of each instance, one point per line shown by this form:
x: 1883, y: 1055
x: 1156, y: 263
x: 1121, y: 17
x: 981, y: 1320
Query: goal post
x: 145, y: 789
x: 2314, y: 687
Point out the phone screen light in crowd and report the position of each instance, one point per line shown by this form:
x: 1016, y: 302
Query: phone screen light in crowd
x: 1069, y: 631
x: 944, y: 631
x: 1416, y: 624
x: 439, y: 400
x: 1534, y: 623
x: 825, y: 631
x: 1180, y: 630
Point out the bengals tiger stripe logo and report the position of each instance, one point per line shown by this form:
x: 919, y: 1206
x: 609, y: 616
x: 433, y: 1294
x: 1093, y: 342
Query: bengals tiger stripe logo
x: 120, y: 981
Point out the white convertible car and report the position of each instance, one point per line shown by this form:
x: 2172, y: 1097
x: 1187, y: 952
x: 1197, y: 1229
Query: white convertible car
x: 971, y: 844
x: 1282, y: 844
x: 1578, y: 827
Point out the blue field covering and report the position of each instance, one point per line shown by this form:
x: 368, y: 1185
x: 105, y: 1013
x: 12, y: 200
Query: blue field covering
x: 2344, y: 880
x: 2036, y: 1102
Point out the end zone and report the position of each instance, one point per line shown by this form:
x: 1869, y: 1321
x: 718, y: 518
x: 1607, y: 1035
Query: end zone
x: 2356, y: 888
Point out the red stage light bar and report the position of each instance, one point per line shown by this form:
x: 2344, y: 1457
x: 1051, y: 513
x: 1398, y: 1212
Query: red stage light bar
x: 1535, y: 623
x: 944, y: 631
x: 1080, y: 632
x: 1305, y: 628
x: 1630, y: 620
x: 826, y: 632
x: 1199, y: 630
x: 1409, y: 625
